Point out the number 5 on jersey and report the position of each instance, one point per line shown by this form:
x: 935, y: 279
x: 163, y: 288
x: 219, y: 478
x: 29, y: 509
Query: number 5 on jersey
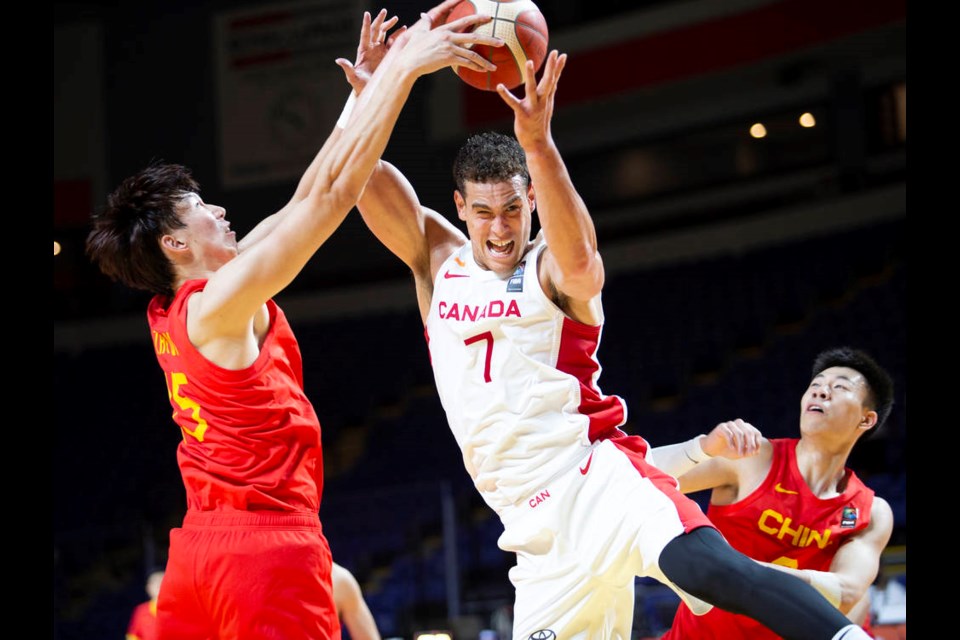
x: 174, y: 382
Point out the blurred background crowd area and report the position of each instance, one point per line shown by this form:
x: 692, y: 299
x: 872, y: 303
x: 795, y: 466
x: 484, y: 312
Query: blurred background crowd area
x: 745, y: 165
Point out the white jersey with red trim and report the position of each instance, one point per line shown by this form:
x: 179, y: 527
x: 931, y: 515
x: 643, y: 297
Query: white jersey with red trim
x: 516, y: 377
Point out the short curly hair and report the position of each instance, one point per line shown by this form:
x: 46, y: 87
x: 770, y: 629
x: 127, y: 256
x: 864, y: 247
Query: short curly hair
x: 125, y: 240
x: 489, y: 157
x: 879, y: 382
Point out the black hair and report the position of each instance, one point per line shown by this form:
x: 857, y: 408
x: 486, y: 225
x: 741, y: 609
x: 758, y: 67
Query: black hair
x: 879, y: 382
x: 489, y: 157
x: 125, y: 240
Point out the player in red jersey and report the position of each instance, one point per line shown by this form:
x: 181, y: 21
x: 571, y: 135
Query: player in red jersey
x: 143, y: 620
x: 251, y: 559
x: 795, y: 504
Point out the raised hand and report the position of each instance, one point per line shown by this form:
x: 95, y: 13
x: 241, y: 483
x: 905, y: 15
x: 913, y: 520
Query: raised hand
x: 373, y: 46
x: 533, y: 113
x: 732, y: 439
x: 432, y: 43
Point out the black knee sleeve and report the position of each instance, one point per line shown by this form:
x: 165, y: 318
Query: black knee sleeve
x: 704, y: 565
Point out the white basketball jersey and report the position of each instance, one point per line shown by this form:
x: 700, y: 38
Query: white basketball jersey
x: 516, y: 377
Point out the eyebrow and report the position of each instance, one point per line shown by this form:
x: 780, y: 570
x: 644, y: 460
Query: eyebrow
x: 842, y: 377
x: 481, y: 204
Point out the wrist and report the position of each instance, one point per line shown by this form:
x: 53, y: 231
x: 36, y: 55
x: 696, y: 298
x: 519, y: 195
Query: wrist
x: 693, y: 449
x: 827, y: 583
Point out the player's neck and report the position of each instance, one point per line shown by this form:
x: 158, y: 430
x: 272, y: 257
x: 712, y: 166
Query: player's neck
x: 823, y: 469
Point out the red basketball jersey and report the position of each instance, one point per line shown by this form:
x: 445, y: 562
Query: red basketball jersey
x: 143, y: 622
x: 781, y: 522
x: 251, y: 438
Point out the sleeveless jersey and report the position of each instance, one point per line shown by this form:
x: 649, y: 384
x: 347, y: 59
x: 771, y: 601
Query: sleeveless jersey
x: 781, y: 522
x: 251, y: 438
x: 516, y: 377
x: 143, y: 622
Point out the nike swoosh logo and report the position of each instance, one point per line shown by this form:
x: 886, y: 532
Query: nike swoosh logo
x: 460, y: 262
x: 447, y: 275
x: 780, y: 489
x: 586, y: 467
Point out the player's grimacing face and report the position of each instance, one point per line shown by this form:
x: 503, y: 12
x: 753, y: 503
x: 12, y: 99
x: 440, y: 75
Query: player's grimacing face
x: 498, y: 216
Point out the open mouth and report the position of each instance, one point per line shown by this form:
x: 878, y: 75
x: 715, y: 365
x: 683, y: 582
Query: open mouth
x: 500, y: 248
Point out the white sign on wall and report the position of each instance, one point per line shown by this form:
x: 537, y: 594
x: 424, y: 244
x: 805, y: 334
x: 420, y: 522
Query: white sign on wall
x: 280, y: 91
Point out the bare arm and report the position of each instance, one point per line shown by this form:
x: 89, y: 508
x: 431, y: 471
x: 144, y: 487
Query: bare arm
x: 856, y: 563
x: 265, y: 226
x: 572, y: 263
x: 351, y: 606
x: 390, y: 207
x: 240, y: 288
x: 858, y: 613
x: 709, y: 461
x: 389, y: 204
x: 420, y: 237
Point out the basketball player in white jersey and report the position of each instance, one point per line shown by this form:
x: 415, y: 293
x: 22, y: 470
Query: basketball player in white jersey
x: 513, y: 327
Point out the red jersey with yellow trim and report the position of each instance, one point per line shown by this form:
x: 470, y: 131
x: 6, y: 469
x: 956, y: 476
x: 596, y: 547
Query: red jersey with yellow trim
x: 782, y: 522
x: 143, y: 621
x: 251, y: 438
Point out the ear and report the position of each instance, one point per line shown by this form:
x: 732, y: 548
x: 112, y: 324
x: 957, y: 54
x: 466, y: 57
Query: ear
x: 461, y: 205
x: 868, y: 420
x: 532, y: 197
x: 171, y: 243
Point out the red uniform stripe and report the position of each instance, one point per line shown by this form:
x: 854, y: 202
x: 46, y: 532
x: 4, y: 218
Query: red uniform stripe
x: 578, y: 346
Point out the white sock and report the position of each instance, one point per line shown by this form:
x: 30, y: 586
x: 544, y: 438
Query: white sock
x: 851, y: 632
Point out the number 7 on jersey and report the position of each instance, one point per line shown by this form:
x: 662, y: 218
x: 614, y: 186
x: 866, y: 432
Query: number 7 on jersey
x: 486, y: 335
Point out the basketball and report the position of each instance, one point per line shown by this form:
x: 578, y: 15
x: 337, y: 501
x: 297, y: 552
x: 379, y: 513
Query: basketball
x: 523, y: 29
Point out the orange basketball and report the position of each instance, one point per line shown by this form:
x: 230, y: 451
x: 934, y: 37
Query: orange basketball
x: 523, y: 29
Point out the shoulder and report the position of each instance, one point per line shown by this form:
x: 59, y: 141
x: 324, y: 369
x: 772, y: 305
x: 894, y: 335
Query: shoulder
x: 750, y: 473
x: 879, y: 528
x: 881, y: 513
x: 346, y: 589
x: 161, y: 305
x: 441, y: 234
x: 441, y: 247
x: 758, y: 463
x: 751, y: 470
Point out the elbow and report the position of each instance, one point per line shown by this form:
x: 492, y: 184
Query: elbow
x: 586, y: 276
x: 849, y: 598
x: 379, y: 168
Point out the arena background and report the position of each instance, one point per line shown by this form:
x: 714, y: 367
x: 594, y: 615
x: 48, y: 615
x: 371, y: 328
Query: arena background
x: 731, y: 261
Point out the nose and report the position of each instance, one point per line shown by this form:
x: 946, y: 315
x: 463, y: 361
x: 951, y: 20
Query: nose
x: 220, y: 212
